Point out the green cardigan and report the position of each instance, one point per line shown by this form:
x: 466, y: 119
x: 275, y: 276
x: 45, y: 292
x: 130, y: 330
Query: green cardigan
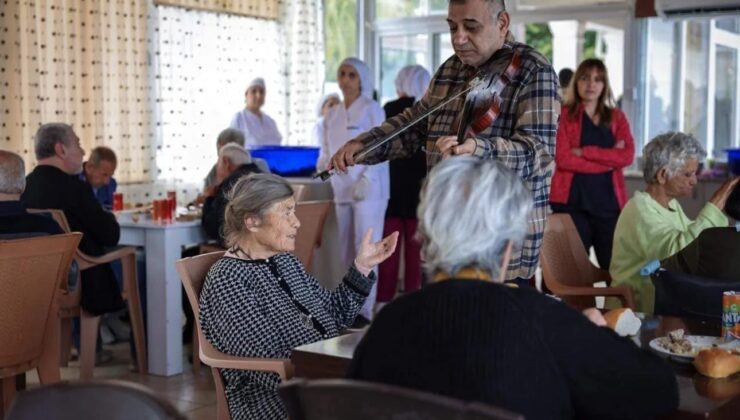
x: 647, y: 231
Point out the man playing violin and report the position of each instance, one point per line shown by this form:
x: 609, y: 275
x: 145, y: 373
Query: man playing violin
x: 522, y: 136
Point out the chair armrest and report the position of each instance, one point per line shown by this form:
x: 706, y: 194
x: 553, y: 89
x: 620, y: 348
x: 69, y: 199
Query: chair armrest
x: 602, y: 275
x: 282, y: 367
x: 623, y: 293
x: 86, y: 261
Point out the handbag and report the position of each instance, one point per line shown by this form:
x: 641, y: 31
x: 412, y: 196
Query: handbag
x: 688, y: 295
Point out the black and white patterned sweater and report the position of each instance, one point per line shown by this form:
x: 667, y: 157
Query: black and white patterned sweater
x: 244, y: 311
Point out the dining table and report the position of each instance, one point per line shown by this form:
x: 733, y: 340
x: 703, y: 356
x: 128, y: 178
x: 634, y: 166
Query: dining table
x: 700, y: 397
x: 163, y: 244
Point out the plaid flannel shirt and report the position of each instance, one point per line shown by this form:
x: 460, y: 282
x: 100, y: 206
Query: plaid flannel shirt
x: 522, y: 137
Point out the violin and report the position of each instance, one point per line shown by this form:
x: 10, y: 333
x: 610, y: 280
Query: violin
x: 481, y: 107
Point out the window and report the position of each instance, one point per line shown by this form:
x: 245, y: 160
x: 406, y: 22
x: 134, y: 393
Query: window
x: 692, y: 81
x: 395, y: 53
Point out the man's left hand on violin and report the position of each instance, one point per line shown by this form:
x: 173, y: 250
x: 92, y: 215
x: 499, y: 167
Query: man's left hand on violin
x: 448, y: 146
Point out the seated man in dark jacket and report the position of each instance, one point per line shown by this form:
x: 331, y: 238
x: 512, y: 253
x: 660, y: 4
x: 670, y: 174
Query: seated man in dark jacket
x: 715, y: 253
x: 15, y: 221
x: 54, y: 184
x: 234, y: 162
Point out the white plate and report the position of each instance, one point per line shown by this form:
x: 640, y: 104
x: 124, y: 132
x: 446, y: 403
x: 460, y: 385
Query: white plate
x: 698, y: 342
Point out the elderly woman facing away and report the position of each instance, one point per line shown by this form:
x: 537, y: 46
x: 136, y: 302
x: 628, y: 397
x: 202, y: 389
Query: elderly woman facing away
x: 470, y: 337
x: 653, y: 226
x: 259, y: 301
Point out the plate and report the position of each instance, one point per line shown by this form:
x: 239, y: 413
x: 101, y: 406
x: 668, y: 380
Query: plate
x: 698, y: 342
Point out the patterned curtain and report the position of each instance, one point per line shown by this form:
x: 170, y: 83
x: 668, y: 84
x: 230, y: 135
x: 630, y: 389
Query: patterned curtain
x: 155, y: 83
x: 83, y: 63
x: 268, y: 9
x: 204, y: 62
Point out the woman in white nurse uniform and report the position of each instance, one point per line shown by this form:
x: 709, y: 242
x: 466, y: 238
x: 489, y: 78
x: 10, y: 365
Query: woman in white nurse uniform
x: 361, y: 195
x: 258, y: 128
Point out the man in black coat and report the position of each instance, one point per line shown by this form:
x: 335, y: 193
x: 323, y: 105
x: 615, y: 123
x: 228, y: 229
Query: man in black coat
x: 234, y: 162
x: 54, y: 184
x: 15, y: 221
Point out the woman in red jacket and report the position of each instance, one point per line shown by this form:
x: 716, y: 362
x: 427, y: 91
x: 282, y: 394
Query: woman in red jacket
x: 593, y: 144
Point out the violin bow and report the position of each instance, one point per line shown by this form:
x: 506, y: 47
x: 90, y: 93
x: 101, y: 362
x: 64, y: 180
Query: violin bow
x: 359, y: 156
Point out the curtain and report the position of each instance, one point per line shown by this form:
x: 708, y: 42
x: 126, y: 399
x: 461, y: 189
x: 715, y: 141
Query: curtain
x: 203, y: 63
x: 268, y: 9
x: 83, y: 63
x: 155, y: 83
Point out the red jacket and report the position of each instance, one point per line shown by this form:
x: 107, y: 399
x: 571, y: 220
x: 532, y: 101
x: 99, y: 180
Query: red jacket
x: 594, y: 159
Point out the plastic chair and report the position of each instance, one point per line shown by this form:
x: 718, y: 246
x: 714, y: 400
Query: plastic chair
x: 335, y: 399
x: 89, y: 324
x: 31, y: 272
x: 112, y: 400
x: 312, y: 215
x: 193, y: 273
x: 567, y: 271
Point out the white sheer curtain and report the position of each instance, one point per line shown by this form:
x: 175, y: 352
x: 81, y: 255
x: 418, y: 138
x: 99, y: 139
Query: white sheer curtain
x: 203, y: 62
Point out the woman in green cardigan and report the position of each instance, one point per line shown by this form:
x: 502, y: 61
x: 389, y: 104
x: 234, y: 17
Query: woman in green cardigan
x: 653, y: 226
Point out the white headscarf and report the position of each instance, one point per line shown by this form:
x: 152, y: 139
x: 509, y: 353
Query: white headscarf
x: 401, y: 77
x: 414, y: 81
x: 366, y: 81
x: 256, y: 82
x: 323, y: 101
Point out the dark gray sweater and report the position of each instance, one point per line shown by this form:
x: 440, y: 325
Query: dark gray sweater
x: 512, y: 348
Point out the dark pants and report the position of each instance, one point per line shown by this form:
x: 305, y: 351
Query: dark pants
x: 596, y: 230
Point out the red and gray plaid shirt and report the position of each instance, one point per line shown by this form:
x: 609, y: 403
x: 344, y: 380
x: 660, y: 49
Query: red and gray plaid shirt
x: 522, y: 137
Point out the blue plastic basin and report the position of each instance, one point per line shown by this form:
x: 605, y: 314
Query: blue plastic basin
x: 733, y: 160
x: 288, y: 161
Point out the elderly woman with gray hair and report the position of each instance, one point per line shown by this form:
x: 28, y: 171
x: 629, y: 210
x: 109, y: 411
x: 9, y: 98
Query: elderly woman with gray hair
x: 652, y: 225
x: 471, y: 337
x: 259, y: 301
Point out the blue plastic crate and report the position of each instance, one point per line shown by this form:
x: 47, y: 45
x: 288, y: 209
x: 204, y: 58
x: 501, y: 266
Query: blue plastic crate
x: 288, y: 161
x: 733, y: 160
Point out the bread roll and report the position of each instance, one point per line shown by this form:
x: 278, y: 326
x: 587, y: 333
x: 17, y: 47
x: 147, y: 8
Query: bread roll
x: 717, y: 389
x: 717, y: 362
x: 623, y: 321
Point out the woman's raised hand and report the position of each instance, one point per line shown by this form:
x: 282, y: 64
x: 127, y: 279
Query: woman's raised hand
x: 372, y: 254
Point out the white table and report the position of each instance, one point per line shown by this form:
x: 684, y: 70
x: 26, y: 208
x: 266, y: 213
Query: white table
x: 163, y: 246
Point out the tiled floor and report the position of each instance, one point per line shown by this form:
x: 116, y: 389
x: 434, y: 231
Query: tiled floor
x: 194, y: 395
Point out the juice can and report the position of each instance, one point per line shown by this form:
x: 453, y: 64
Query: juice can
x: 731, y: 315
x: 117, y: 201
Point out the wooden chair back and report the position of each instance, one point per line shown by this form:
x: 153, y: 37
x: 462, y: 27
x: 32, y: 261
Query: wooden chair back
x: 193, y: 273
x: 312, y: 215
x: 31, y: 272
x: 335, y: 399
x: 566, y: 269
x: 113, y: 400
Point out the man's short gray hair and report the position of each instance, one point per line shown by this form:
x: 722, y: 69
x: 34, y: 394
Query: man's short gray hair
x: 12, y: 173
x: 669, y: 151
x: 48, y: 136
x: 236, y: 154
x: 496, y: 6
x: 252, y: 196
x: 230, y: 135
x: 470, y: 210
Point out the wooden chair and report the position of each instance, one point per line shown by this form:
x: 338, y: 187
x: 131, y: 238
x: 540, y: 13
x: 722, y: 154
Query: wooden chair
x: 298, y: 190
x: 112, y: 400
x: 312, y: 215
x: 193, y: 272
x: 567, y: 271
x: 31, y: 273
x: 335, y: 399
x: 89, y: 324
